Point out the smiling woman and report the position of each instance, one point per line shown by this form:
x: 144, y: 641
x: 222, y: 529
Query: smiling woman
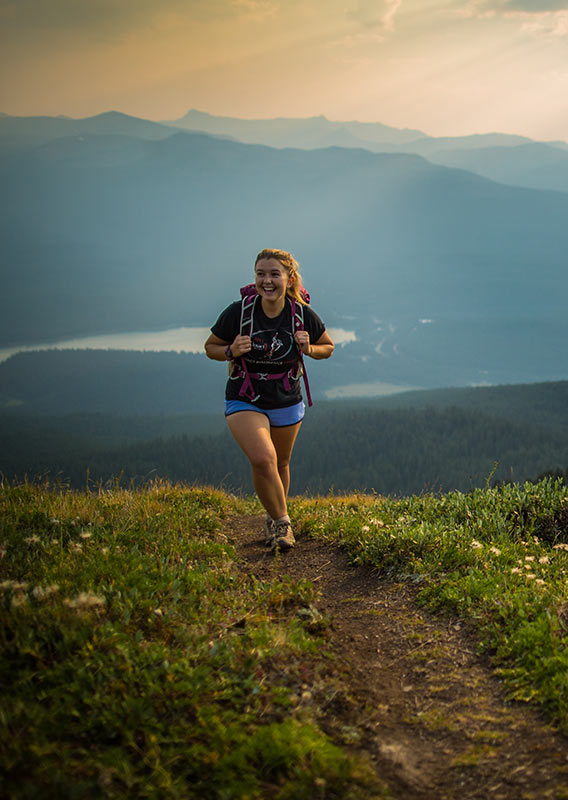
x: 265, y: 336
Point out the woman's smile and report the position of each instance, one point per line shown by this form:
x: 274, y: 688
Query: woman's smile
x: 271, y: 279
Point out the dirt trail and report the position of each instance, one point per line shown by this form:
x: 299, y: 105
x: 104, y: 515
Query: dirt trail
x: 417, y: 700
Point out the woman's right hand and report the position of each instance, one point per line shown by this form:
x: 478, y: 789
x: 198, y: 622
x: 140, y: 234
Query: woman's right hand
x: 240, y: 346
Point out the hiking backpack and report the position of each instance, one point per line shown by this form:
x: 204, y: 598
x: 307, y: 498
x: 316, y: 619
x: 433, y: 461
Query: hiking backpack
x: 249, y: 298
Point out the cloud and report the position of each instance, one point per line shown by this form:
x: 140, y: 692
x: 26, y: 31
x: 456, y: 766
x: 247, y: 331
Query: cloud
x: 534, y: 6
x: 494, y: 7
x: 539, y: 17
x: 376, y: 14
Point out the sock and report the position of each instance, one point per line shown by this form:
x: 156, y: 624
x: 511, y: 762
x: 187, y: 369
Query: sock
x: 285, y: 518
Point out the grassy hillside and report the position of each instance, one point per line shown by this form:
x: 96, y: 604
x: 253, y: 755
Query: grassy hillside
x: 137, y: 660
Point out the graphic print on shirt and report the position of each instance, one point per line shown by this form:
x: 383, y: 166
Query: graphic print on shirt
x: 270, y: 345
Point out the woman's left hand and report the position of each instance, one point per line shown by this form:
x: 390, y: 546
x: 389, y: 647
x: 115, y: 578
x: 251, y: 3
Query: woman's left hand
x: 302, y: 339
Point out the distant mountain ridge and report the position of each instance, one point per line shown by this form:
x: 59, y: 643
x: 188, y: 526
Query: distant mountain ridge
x: 507, y: 158
x: 443, y: 276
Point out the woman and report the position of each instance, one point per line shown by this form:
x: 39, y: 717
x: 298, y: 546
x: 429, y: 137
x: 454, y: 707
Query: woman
x: 263, y: 399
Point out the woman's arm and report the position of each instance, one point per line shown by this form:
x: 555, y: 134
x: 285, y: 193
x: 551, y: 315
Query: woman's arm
x: 323, y: 348
x: 216, y: 348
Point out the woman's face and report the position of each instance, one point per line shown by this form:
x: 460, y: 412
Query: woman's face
x: 271, y: 279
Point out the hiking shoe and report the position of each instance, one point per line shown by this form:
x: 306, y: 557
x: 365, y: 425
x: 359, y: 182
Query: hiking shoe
x: 268, y: 530
x: 283, y: 537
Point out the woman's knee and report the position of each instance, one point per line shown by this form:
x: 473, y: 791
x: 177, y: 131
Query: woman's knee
x: 263, y: 461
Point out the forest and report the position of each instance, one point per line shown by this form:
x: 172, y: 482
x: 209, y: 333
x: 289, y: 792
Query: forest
x: 343, y: 447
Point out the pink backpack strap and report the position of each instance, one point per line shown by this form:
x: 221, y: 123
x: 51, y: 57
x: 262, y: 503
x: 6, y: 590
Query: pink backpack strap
x: 298, y: 325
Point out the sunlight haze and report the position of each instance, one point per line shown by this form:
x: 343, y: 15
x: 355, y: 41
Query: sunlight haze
x: 447, y: 68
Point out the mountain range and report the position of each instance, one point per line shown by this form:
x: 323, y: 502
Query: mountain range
x: 446, y: 275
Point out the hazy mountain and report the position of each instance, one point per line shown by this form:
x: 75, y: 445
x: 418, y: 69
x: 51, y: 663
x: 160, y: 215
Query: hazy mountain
x: 534, y: 164
x: 446, y: 277
x: 18, y: 134
x: 306, y: 133
x: 507, y: 158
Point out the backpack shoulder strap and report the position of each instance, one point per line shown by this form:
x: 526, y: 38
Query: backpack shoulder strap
x: 298, y: 325
x: 249, y: 296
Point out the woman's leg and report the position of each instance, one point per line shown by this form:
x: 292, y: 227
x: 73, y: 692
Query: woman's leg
x: 252, y: 433
x: 283, y: 440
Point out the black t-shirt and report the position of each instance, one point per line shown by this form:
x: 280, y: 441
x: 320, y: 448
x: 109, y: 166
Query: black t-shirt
x: 273, y: 351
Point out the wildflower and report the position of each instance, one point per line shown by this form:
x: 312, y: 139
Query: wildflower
x: 530, y: 576
x: 54, y: 521
x: 41, y: 592
x: 475, y: 544
x: 19, y: 599
x: 539, y: 581
x: 365, y: 529
x: 86, y: 600
x: 378, y: 522
x: 544, y: 560
x: 527, y: 566
x: 560, y: 546
x: 76, y: 547
x: 105, y: 551
x: 158, y: 612
x: 32, y: 539
x: 515, y: 571
x: 85, y: 534
x: 495, y: 551
x: 55, y: 541
x: 529, y: 558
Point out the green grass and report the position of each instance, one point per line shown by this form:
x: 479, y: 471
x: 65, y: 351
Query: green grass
x: 137, y: 661
x: 497, y: 557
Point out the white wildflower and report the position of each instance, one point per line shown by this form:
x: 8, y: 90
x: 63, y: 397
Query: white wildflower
x: 158, y: 612
x: 528, y: 566
x: 365, y: 529
x: 54, y: 521
x: 19, y: 599
x: 378, y: 522
x: 529, y: 558
x: 32, y: 539
x: 41, y: 592
x: 544, y: 560
x: 540, y: 581
x: 76, y: 547
x: 495, y: 551
x: 105, y: 551
x: 530, y: 576
x: 86, y: 600
x: 475, y: 544
x: 85, y: 534
x: 55, y: 541
x: 516, y: 571
x: 560, y: 546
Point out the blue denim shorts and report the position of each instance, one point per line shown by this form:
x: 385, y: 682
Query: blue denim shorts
x: 278, y: 417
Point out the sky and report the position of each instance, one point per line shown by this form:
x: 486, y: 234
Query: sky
x: 445, y: 67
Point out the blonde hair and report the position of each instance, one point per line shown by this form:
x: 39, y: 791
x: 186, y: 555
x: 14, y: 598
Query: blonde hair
x: 292, y: 268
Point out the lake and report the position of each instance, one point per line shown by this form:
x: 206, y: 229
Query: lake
x: 179, y: 340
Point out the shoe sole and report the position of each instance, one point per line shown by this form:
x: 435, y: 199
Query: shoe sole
x: 282, y: 544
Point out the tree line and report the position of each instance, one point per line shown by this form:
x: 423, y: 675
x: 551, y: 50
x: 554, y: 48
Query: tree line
x: 341, y: 448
